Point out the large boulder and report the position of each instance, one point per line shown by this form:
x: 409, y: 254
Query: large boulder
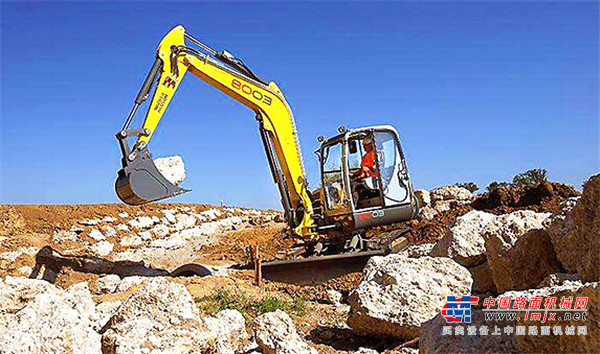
x: 560, y: 227
x: 172, y: 168
x: 483, y: 281
x: 434, y: 339
x: 575, y: 233
x: 472, y: 340
x: 397, y: 294
x: 463, y: 242
x: 229, y: 330
x: 16, y: 292
x: 53, y: 322
x: 161, y: 316
x: 275, y: 333
x: 518, y: 251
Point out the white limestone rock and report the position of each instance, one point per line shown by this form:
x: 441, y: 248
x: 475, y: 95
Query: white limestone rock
x: 16, y: 292
x: 416, y: 251
x: 122, y: 227
x: 464, y: 241
x: 62, y: 235
x: 90, y: 222
x: 427, y: 213
x: 397, y: 294
x: 172, y: 168
x: 184, y: 221
x: 109, y: 219
x: 160, y: 230
x: 275, y: 333
x: 229, y: 329
x: 172, y: 242
x: 450, y: 193
x: 96, y: 235
x: 53, y: 322
x: 102, y: 248
x: 129, y: 282
x: 109, y: 231
x: 145, y: 235
x: 160, y: 316
x: 333, y: 297
x: 104, y: 311
x: 131, y: 241
x: 519, y: 252
x: 141, y: 222
x: 10, y: 256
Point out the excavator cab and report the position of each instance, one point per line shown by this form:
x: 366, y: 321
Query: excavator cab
x: 365, y: 180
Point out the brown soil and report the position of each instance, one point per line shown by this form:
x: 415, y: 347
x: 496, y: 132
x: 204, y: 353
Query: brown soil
x: 425, y: 231
x: 543, y: 197
x: 272, y: 238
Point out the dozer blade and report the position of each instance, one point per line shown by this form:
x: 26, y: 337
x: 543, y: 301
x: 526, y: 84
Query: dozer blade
x: 140, y: 182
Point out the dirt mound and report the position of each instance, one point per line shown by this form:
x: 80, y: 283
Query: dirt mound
x: 544, y: 196
x: 272, y: 238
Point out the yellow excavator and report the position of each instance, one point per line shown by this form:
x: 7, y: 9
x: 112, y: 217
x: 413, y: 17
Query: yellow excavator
x: 364, y: 176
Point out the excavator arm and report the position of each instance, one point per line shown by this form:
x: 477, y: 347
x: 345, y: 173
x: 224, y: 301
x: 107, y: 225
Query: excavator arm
x: 140, y: 182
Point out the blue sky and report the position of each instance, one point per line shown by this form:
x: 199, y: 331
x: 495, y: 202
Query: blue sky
x: 479, y: 91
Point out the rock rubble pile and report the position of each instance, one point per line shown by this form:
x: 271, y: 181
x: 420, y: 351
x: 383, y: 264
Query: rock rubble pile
x: 538, y: 241
x: 522, y: 253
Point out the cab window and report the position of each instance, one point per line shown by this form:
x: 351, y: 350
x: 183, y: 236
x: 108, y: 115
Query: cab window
x: 391, y: 169
x: 332, y: 175
x: 355, y: 153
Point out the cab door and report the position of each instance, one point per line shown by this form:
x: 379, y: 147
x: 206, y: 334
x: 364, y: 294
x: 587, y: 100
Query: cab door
x: 333, y: 170
x: 393, y: 183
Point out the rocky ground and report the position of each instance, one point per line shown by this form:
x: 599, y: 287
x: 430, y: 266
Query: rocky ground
x: 102, y: 278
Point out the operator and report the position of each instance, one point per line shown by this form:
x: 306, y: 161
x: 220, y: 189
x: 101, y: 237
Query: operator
x: 367, y: 169
x: 367, y: 163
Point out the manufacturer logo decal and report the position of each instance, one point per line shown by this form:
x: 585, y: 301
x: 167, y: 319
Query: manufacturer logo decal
x: 458, y: 310
x: 169, y: 82
x: 236, y: 84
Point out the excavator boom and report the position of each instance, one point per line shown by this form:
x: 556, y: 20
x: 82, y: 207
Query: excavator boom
x: 140, y: 182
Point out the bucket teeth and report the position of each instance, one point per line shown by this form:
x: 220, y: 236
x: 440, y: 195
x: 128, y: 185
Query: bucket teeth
x: 140, y: 182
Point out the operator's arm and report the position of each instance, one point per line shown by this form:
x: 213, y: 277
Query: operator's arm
x: 267, y: 101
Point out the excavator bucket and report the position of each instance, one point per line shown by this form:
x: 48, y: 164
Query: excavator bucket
x: 140, y: 182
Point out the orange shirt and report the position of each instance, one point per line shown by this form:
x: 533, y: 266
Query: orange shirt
x: 368, y: 160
